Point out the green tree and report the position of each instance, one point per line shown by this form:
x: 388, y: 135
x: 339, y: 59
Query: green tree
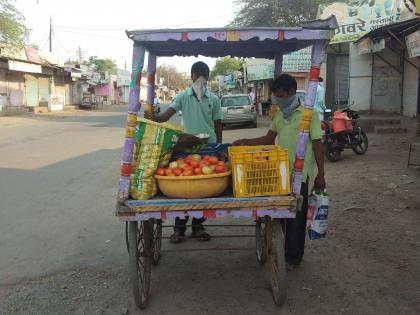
x: 103, y: 65
x: 173, y: 79
x: 13, y: 31
x: 275, y: 12
x: 225, y: 66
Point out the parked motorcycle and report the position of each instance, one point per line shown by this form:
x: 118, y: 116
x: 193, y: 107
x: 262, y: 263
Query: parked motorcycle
x: 343, y: 132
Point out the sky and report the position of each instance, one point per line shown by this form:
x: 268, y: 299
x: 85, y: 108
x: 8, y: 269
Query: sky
x: 98, y: 27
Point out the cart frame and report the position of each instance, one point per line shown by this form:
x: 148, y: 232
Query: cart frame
x: 144, y: 218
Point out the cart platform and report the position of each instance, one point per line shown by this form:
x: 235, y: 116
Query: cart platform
x: 161, y: 208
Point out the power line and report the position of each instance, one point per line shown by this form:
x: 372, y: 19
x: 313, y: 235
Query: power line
x: 62, y: 46
x: 92, y: 35
x: 62, y: 27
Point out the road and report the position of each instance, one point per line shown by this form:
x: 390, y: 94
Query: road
x: 63, y: 251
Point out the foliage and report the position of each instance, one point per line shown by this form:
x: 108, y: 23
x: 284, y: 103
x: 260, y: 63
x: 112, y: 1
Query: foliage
x: 13, y: 31
x: 173, y: 79
x: 103, y: 65
x: 225, y: 66
x: 275, y: 12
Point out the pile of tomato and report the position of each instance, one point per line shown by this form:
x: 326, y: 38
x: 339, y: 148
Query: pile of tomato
x: 194, y: 165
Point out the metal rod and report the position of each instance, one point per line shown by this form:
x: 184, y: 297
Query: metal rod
x: 215, y: 236
x: 209, y: 249
x: 215, y: 225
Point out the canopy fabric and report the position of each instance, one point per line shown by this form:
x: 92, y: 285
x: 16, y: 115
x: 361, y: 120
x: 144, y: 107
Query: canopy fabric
x: 260, y: 42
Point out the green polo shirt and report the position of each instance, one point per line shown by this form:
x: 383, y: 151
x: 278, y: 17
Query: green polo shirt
x: 198, y: 117
x: 288, y: 135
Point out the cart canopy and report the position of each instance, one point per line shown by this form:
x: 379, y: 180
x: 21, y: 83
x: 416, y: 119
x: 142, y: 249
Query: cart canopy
x: 260, y: 42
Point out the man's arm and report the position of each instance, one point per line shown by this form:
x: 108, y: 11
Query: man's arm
x: 268, y: 139
x: 219, y: 130
x: 163, y: 117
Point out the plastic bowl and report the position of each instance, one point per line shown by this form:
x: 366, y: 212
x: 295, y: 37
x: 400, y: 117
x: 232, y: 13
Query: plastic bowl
x: 194, y: 187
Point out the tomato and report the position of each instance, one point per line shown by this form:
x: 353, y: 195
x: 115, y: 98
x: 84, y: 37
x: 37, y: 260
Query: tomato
x: 221, y: 163
x: 197, y: 171
x: 207, y: 170
x: 213, y: 160
x: 220, y: 169
x: 206, y: 157
x: 188, y: 168
x: 161, y: 172
x: 173, y: 165
x: 169, y: 172
x: 177, y: 171
x: 188, y: 172
x: 194, y: 164
x: 204, y: 163
x: 188, y: 160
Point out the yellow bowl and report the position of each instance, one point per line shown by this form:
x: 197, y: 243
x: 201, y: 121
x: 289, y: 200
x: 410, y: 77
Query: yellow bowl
x: 194, y: 187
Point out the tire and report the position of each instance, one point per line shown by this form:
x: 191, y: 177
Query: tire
x: 140, y: 261
x: 363, y: 143
x: 254, y: 124
x: 156, y: 241
x: 332, y: 155
x: 277, y: 263
x: 260, y: 241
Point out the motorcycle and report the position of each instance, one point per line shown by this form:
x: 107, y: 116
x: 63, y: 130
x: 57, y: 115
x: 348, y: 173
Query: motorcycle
x: 351, y: 138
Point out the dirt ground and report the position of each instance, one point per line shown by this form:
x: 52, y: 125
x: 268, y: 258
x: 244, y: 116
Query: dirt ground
x: 368, y: 264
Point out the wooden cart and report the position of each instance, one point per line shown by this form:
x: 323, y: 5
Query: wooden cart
x: 144, y: 227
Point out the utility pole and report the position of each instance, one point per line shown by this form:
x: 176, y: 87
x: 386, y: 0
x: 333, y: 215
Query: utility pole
x: 50, y: 34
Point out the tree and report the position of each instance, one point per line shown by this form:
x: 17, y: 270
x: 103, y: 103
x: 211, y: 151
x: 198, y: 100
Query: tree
x: 225, y: 66
x: 13, y: 31
x: 173, y: 79
x: 275, y: 12
x: 103, y: 65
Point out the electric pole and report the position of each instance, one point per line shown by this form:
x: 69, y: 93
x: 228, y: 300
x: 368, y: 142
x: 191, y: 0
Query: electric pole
x: 50, y: 34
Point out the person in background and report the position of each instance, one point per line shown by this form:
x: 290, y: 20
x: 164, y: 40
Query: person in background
x: 251, y: 95
x: 201, y: 113
x: 286, y: 127
x: 319, y: 105
x: 156, y: 104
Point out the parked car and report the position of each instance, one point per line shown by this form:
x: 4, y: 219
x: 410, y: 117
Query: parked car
x: 238, y: 109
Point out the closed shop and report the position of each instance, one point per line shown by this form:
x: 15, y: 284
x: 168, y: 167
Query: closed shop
x: 31, y: 90
x: 16, y: 88
x: 44, y: 91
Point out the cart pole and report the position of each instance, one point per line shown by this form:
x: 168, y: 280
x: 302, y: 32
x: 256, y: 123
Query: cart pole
x: 317, y: 58
x: 133, y: 108
x: 278, y: 68
x: 151, y: 71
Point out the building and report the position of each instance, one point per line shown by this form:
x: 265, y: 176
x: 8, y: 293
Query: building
x: 371, y: 63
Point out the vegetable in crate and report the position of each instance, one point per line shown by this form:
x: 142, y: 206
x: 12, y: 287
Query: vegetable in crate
x: 153, y: 148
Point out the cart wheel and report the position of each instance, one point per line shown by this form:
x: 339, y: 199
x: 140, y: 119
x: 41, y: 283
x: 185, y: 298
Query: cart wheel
x: 260, y: 241
x: 276, y: 260
x: 139, y: 240
x: 156, y: 241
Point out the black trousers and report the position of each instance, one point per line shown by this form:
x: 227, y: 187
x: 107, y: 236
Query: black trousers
x: 180, y: 224
x: 296, y: 231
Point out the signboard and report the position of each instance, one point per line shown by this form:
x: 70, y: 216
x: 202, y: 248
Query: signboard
x: 367, y: 46
x: 32, y: 55
x: 359, y: 17
x: 263, y: 69
x: 56, y: 103
x: 298, y: 61
x: 413, y: 44
x: 24, y: 67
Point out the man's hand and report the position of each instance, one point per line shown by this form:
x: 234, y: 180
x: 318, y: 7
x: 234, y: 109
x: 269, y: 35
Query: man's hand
x: 148, y: 115
x: 320, y: 182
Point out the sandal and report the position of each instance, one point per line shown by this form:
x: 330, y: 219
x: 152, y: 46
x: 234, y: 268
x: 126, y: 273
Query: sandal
x: 177, y: 237
x: 201, y: 235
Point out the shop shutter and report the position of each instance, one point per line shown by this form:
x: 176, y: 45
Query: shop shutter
x: 31, y: 89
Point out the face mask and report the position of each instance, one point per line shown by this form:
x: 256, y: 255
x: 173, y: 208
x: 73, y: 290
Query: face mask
x: 199, y: 87
x: 286, y: 104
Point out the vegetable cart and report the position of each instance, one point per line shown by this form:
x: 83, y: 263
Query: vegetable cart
x: 145, y: 217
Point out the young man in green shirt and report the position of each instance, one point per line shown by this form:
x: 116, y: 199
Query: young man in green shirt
x: 286, y: 127
x: 201, y: 113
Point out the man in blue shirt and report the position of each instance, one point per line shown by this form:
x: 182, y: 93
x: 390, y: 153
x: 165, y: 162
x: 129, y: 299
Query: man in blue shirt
x: 201, y: 113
